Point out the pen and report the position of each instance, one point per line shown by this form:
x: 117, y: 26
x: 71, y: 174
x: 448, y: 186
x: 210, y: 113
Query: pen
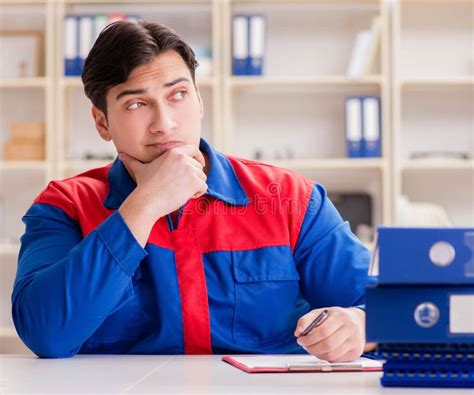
x: 316, y: 322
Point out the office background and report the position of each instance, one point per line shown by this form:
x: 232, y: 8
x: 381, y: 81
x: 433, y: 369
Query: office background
x: 418, y: 61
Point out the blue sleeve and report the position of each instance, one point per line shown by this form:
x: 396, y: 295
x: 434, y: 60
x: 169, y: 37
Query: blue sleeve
x: 66, y: 285
x: 332, y: 262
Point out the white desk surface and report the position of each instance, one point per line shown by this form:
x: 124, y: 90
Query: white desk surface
x: 178, y: 375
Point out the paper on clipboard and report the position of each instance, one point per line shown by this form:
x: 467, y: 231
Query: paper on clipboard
x: 299, y: 363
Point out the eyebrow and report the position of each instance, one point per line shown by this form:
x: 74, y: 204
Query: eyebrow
x: 140, y: 91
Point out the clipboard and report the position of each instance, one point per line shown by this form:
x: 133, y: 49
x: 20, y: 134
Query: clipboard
x: 299, y: 364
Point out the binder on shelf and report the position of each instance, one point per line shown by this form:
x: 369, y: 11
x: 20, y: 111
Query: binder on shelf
x: 371, y: 130
x: 240, y: 44
x: 115, y: 17
x: 424, y: 256
x: 365, y: 49
x: 133, y: 18
x: 71, y: 46
x: 100, y: 23
x: 373, y: 50
x: 354, y: 138
x: 359, y: 54
x: 257, y: 29
x: 420, y: 314
x: 86, y: 38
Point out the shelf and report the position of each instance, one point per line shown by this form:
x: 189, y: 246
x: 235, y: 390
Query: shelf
x: 114, y: 2
x: 9, y: 248
x: 330, y: 164
x: 23, y: 165
x: 253, y: 81
x: 24, y: 2
x: 438, y: 164
x: 333, y: 5
x: 452, y: 81
x: 37, y: 82
x: 75, y: 82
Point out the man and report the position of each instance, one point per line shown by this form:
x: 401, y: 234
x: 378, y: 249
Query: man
x: 175, y: 247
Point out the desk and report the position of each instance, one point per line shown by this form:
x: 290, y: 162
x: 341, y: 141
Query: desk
x: 178, y: 375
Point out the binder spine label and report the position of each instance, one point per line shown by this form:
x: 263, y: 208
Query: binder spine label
x: 354, y: 127
x: 461, y: 314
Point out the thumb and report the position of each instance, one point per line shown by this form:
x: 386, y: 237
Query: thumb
x: 131, y: 164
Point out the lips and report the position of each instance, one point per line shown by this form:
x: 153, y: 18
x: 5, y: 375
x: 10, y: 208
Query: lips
x: 165, y: 146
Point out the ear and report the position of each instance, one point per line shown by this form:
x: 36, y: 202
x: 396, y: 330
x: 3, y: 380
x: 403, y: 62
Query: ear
x: 101, y: 123
x: 201, y: 103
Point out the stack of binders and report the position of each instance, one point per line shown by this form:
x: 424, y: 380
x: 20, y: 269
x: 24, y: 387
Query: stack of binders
x: 248, y: 44
x: 363, y: 127
x: 421, y: 313
x: 80, y: 33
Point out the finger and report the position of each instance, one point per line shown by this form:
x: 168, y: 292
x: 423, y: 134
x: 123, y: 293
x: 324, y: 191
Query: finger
x: 347, y: 356
x: 130, y: 163
x: 202, y: 189
x: 344, y: 353
x: 320, y: 333
x: 193, y: 152
x: 306, y: 320
x: 201, y: 175
x: 331, y: 343
x: 195, y: 163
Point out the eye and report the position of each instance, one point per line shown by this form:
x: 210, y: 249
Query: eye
x: 178, y: 96
x: 134, y: 105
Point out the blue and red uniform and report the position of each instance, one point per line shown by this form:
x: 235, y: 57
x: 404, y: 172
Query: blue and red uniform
x: 244, y: 262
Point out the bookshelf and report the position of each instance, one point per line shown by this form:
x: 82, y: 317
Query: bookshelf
x: 432, y: 106
x: 295, y: 101
x: 301, y: 96
x: 23, y: 99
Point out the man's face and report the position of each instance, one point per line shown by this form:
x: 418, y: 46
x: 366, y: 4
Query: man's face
x: 157, y: 108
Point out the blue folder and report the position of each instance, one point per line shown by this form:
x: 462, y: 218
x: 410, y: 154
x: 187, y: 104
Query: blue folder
x: 426, y: 256
x: 240, y: 45
x: 72, y: 62
x: 419, y: 314
x: 354, y: 127
x: 426, y: 352
x: 372, y: 126
x: 405, y: 374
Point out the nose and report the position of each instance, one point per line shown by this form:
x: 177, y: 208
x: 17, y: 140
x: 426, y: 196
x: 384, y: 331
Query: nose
x: 162, y: 121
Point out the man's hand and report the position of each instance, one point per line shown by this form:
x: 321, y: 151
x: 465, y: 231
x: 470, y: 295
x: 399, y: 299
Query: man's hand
x: 163, y: 186
x: 170, y: 180
x: 340, y: 338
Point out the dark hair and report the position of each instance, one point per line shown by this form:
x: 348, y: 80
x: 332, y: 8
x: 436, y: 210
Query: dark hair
x: 121, y: 47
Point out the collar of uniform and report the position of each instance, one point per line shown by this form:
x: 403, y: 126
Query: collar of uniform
x: 222, y: 181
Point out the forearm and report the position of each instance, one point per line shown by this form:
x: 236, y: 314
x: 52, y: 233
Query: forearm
x: 58, y: 305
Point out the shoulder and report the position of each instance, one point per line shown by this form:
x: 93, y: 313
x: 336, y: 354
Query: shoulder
x: 68, y: 193
x: 266, y: 179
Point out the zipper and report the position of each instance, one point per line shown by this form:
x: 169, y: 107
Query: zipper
x: 171, y: 225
